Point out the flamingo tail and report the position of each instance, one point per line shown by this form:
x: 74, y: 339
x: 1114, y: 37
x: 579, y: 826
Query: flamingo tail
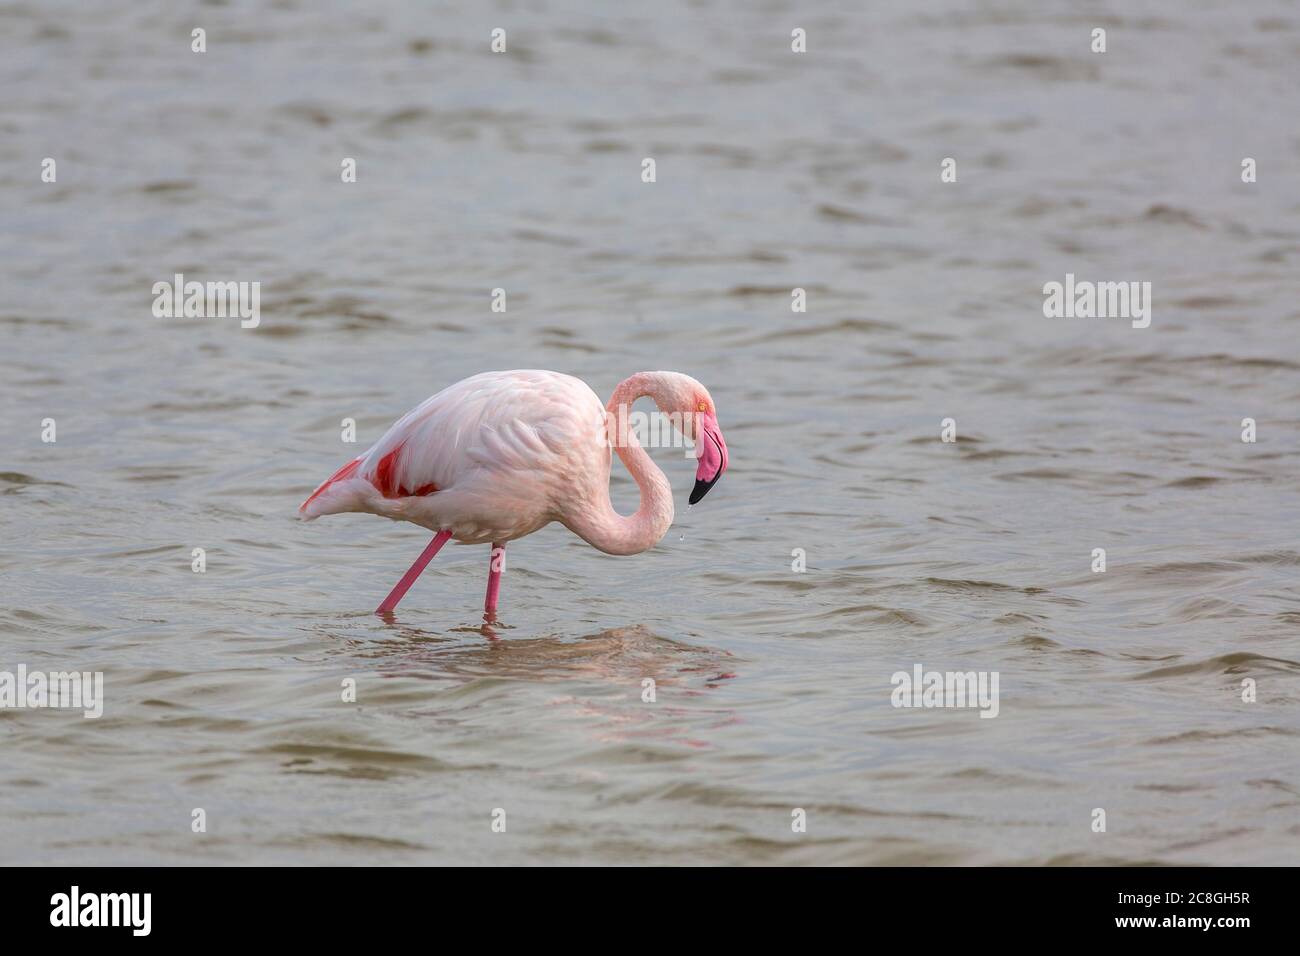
x: 336, y: 493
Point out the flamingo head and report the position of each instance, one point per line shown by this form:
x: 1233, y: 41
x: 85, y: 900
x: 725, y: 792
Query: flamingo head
x: 690, y: 408
x: 700, y: 418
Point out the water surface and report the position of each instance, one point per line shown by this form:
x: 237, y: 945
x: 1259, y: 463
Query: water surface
x: 1119, y: 690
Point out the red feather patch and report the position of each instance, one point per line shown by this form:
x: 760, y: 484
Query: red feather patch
x: 385, y: 479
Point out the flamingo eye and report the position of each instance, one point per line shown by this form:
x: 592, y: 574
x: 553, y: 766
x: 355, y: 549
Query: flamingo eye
x: 703, y: 406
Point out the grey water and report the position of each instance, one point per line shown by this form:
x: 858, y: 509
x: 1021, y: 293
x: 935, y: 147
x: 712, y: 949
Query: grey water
x: 224, y: 690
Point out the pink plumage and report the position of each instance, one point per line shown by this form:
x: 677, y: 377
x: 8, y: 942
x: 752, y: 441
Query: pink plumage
x: 501, y: 454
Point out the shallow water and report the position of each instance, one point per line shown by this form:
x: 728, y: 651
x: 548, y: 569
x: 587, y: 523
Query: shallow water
x: 1119, y: 690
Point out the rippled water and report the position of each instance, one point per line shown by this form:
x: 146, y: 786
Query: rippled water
x: 1119, y: 690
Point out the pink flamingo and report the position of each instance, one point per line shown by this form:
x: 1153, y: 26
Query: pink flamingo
x: 500, y: 454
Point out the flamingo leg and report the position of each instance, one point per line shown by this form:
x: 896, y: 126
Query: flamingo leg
x: 413, y: 572
x: 497, y: 565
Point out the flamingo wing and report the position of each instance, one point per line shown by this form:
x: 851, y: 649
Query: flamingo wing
x: 513, y: 431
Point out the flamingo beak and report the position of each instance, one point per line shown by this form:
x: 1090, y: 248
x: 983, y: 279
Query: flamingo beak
x: 712, y: 452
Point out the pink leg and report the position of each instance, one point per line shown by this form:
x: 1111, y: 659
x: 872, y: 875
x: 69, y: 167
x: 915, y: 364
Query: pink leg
x: 494, y: 578
x: 414, y: 572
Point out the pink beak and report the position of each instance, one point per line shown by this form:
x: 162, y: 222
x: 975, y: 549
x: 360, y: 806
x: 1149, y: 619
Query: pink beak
x: 712, y: 452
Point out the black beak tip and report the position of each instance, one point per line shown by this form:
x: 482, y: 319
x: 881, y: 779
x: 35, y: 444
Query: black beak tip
x: 702, y: 488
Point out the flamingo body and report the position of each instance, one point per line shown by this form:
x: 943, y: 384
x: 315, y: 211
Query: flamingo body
x: 492, y: 458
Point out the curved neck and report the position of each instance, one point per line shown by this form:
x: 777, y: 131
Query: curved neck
x: 603, y: 527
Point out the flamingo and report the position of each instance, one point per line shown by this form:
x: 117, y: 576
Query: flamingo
x: 501, y: 454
